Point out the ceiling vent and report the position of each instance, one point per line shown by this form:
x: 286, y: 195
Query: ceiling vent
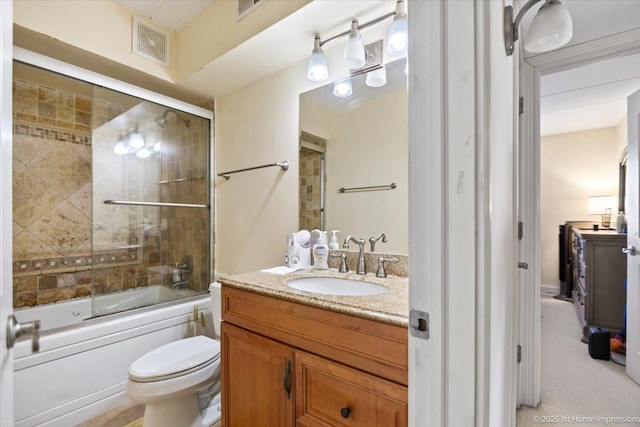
x: 150, y: 42
x: 245, y: 7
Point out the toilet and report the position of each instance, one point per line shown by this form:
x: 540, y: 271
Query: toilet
x: 179, y: 382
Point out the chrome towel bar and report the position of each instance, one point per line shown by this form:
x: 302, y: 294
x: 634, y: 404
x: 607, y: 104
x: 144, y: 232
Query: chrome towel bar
x: 159, y: 204
x: 374, y: 187
x: 227, y: 175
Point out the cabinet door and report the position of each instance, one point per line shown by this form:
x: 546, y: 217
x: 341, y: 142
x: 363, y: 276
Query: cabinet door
x: 257, y: 380
x: 330, y: 394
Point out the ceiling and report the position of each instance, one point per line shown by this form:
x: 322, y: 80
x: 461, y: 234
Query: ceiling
x: 588, y: 97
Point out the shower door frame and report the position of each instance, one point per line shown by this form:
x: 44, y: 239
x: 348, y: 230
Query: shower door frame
x: 47, y: 63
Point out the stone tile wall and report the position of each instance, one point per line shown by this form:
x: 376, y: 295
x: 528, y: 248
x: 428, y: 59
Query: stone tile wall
x: 309, y: 188
x: 53, y: 229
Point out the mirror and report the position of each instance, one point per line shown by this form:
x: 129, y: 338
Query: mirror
x: 350, y: 144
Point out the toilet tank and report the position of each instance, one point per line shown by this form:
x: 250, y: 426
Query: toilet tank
x: 215, y: 293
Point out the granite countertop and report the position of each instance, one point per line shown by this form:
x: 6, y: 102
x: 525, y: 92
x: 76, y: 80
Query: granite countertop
x: 391, y: 307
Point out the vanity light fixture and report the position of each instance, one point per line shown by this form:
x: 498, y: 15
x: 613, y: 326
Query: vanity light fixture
x: 143, y: 153
x: 354, y: 52
x: 343, y: 88
x: 121, y: 147
x: 550, y: 29
x: 136, y: 140
x: 355, y: 57
x: 398, y: 38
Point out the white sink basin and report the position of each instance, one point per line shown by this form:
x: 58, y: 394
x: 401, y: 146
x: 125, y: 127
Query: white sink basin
x: 335, y: 286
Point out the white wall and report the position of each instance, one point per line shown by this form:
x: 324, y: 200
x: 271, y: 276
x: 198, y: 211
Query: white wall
x: 573, y: 166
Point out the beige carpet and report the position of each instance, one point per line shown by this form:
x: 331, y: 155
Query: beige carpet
x: 573, y: 386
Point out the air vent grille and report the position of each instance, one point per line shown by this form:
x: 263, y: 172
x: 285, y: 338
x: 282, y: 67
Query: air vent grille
x: 247, y: 6
x: 150, y: 42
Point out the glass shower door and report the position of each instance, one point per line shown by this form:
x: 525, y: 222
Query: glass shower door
x: 151, y: 218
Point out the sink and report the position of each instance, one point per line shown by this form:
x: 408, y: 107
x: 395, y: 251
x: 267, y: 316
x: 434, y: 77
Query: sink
x: 335, y: 286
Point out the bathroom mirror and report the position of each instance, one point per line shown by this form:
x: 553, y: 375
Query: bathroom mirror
x: 349, y: 144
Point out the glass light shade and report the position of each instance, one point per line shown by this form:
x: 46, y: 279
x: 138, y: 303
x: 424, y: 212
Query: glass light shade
x: 354, y: 52
x: 143, y: 153
x: 120, y: 148
x: 343, y: 88
x: 398, y: 38
x: 136, y: 140
x: 157, y: 146
x: 550, y: 29
x: 318, y: 70
x: 377, y: 78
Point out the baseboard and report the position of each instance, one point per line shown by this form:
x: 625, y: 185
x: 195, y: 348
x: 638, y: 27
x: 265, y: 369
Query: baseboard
x: 549, y: 289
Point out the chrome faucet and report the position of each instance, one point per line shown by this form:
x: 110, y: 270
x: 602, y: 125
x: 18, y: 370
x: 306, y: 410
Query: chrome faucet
x: 362, y: 267
x: 373, y: 241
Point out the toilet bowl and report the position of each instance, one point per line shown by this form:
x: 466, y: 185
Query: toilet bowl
x: 179, y: 382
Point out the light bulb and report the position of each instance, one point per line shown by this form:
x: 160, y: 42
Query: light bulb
x: 157, y: 146
x: 143, y: 153
x: 354, y: 52
x: 398, y: 38
x: 342, y: 88
x: 136, y: 140
x: 318, y: 70
x: 120, y: 148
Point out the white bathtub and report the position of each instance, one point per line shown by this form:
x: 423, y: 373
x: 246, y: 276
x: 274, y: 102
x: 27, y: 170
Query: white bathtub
x: 81, y: 369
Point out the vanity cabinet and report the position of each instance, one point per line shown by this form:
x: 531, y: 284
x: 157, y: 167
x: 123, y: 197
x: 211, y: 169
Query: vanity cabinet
x: 286, y: 363
x: 599, y: 269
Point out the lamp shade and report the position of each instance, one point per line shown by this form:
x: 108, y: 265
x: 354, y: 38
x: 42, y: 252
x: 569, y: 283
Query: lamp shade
x: 377, y: 77
x: 398, y: 38
x: 550, y: 29
x: 120, y: 148
x: 342, y: 88
x: 354, y: 52
x: 597, y: 205
x: 318, y: 70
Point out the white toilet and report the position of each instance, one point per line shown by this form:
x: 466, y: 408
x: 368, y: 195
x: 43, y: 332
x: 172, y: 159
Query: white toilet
x: 179, y: 382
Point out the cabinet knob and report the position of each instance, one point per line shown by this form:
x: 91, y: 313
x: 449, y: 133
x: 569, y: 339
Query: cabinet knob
x: 345, y: 412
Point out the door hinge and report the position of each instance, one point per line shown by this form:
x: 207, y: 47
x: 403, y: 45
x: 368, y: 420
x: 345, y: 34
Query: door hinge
x: 520, y: 230
x: 521, y: 105
x: 519, y: 353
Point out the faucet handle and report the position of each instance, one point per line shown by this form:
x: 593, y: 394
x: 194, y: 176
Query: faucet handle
x: 343, y: 262
x: 381, y: 271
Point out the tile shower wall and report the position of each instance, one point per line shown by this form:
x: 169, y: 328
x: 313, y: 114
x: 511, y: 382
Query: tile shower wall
x: 53, y: 230
x: 52, y: 195
x: 310, y: 189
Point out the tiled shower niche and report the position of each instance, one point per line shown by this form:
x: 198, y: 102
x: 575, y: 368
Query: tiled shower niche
x: 67, y: 242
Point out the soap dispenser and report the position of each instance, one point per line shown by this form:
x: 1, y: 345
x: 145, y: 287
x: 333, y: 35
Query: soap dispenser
x: 321, y: 253
x: 334, y: 240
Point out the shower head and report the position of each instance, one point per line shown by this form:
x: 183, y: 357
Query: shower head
x: 162, y: 120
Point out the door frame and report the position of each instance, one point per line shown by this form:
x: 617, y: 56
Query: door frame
x: 531, y: 69
x: 6, y: 212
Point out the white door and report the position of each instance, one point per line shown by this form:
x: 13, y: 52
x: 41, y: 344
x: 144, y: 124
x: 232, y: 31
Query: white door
x: 6, y: 297
x: 633, y: 240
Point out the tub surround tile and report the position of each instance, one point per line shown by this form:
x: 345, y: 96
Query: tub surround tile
x: 391, y: 307
x: 32, y: 195
x: 47, y: 282
x: 25, y: 299
x: 26, y: 284
x: 47, y: 296
x: 26, y: 246
x: 63, y: 228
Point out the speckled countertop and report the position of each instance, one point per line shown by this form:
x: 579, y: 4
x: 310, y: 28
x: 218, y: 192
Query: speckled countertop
x: 391, y: 307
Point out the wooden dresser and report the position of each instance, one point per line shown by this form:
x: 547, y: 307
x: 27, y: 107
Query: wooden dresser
x: 599, y: 269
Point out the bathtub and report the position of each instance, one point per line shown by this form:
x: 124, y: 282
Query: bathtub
x: 82, y: 366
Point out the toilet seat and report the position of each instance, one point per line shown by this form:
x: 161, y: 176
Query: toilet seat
x: 175, y: 359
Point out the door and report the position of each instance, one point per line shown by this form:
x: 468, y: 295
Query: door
x: 260, y: 394
x: 6, y: 248
x: 633, y: 241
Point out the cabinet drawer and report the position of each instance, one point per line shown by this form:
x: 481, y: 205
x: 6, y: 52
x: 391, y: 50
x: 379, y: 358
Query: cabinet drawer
x: 329, y: 394
x: 374, y: 347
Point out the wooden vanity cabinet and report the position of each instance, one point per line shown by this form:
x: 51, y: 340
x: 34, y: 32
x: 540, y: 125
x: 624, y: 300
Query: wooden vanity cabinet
x: 286, y: 363
x: 254, y: 392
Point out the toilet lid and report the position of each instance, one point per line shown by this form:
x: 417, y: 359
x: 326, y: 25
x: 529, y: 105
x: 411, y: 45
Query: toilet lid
x: 176, y: 357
